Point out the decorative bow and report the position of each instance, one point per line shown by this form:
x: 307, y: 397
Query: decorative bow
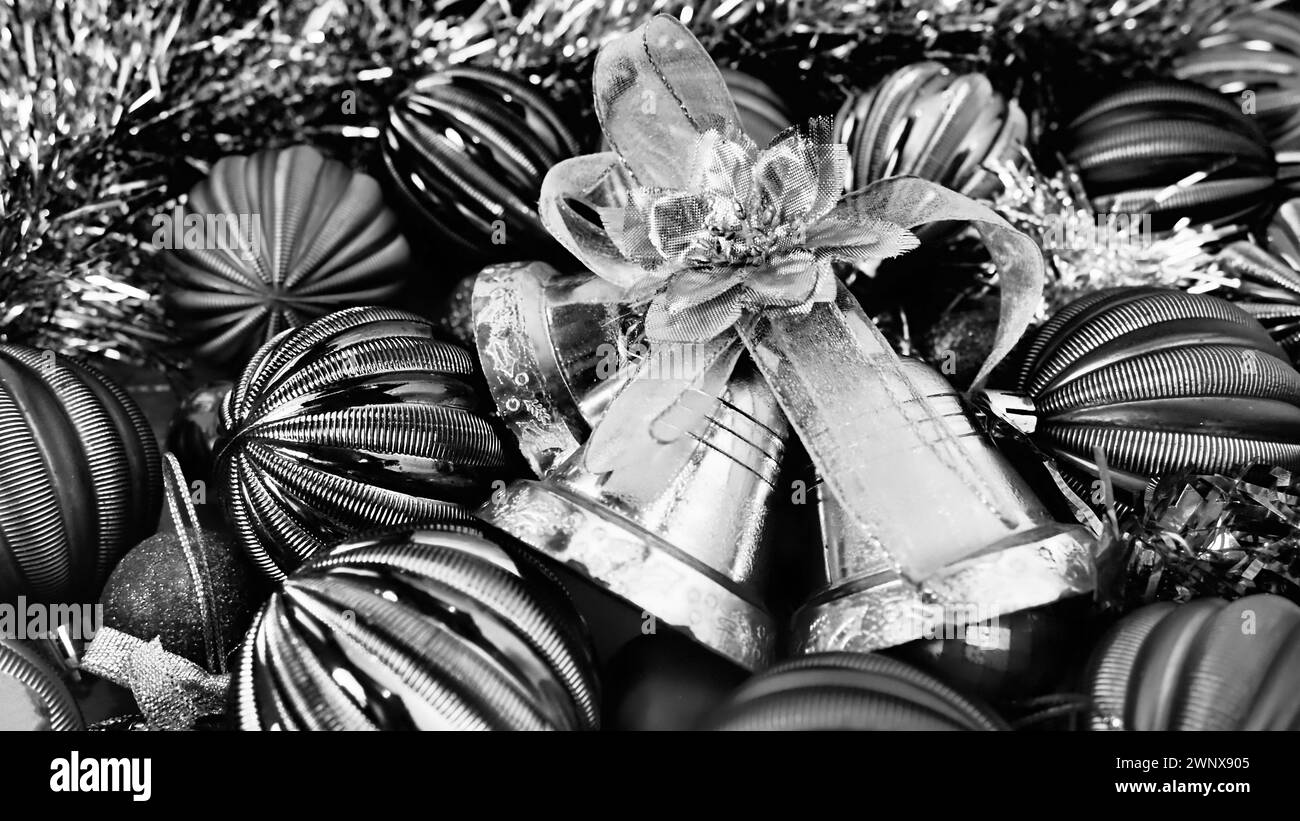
x: 172, y: 691
x: 729, y: 248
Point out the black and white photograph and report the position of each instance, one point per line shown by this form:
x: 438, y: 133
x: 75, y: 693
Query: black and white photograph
x: 670, y: 366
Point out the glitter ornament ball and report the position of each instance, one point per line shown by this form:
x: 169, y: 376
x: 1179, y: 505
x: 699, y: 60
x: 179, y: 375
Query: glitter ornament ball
x: 440, y: 626
x: 80, y: 476
x: 1131, y: 146
x: 1205, y: 665
x: 358, y: 420
x: 32, y: 697
x: 271, y: 241
x: 849, y: 691
x: 1159, y: 380
x: 153, y: 593
x: 467, y: 148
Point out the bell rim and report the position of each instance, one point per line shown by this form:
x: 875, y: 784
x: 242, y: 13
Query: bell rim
x: 564, y: 529
x: 835, y: 622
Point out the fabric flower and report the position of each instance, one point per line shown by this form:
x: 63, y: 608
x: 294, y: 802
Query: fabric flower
x: 756, y: 230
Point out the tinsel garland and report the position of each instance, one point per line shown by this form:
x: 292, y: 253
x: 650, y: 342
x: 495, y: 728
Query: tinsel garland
x: 109, y: 109
x: 1226, y: 535
x: 1087, y: 251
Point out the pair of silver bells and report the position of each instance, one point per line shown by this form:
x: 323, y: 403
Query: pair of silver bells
x: 684, y: 532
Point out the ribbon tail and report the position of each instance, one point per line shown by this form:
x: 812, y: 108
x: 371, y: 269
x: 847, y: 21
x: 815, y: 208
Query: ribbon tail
x: 884, y: 452
x: 910, y: 201
x: 172, y: 692
x: 669, y: 395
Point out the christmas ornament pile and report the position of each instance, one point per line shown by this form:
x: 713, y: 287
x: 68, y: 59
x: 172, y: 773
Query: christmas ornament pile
x: 656, y: 465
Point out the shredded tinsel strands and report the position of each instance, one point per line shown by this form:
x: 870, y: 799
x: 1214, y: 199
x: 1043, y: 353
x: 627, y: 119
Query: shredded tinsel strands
x: 110, y: 109
x: 70, y: 266
x: 1087, y: 251
x: 1226, y: 535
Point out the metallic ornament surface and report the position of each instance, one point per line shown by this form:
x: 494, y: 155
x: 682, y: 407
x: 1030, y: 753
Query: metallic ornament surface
x: 553, y: 350
x: 864, y: 604
x: 1268, y: 288
x: 468, y: 147
x: 1159, y: 380
x: 927, y: 121
x: 1253, y: 58
x: 1173, y: 150
x: 357, y: 420
x: 31, y: 695
x: 763, y: 114
x: 194, y: 427
x: 80, y: 476
x: 1009, y: 658
x: 682, y: 533
x: 437, y: 626
x: 284, y: 236
x: 1208, y: 664
x: 849, y: 691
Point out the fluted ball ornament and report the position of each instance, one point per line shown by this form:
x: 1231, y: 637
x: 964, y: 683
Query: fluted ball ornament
x: 80, y: 476
x: 849, y: 691
x: 928, y: 121
x: 1267, y: 287
x: 1157, y: 380
x: 32, y: 696
x: 1174, y: 150
x: 357, y: 420
x: 439, y: 626
x: 1253, y: 58
x: 763, y: 114
x: 273, y: 240
x: 1208, y: 664
x: 468, y: 147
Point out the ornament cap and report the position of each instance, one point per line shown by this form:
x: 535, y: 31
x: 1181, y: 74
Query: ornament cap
x: 1015, y: 408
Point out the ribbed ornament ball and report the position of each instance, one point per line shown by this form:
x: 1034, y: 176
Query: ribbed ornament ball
x: 1253, y: 59
x: 32, y: 696
x: 358, y: 420
x: 1208, y: 664
x: 849, y: 691
x: 439, y: 626
x: 763, y: 114
x: 80, y: 476
x: 467, y: 148
x: 1159, y: 380
x: 928, y: 121
x: 283, y: 236
x: 1173, y: 150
